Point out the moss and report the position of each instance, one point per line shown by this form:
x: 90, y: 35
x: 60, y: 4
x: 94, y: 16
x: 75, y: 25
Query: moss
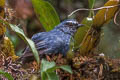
x: 8, y: 49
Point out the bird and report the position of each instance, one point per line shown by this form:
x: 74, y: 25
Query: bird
x: 55, y: 41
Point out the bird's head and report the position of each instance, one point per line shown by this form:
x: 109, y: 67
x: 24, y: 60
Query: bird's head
x: 69, y: 26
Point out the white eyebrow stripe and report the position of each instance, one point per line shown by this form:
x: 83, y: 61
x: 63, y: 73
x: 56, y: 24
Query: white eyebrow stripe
x: 72, y: 22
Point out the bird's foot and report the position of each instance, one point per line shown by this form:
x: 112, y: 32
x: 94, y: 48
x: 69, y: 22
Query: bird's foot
x: 48, y: 58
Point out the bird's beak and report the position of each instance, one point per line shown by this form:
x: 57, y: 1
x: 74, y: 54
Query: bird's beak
x: 80, y: 25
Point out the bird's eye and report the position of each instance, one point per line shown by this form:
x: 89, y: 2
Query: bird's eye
x: 75, y: 24
x: 69, y: 24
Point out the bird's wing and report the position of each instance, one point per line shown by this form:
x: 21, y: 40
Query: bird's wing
x: 39, y: 37
x: 51, y: 44
x: 45, y: 45
x: 27, y: 52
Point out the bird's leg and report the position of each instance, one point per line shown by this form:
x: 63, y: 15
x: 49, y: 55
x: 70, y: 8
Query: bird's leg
x: 59, y: 57
x: 48, y: 57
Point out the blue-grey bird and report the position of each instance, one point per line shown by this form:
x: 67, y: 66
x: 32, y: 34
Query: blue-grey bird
x: 55, y: 41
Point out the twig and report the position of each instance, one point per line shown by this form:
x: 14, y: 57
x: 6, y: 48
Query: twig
x: 84, y: 9
x: 115, y: 17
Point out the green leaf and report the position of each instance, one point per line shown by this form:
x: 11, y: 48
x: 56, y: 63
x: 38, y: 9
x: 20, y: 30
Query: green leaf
x: 91, y: 3
x: 48, y: 70
x: 70, y: 53
x: 22, y: 35
x: 44, y: 76
x: 52, y: 69
x: 7, y: 75
x: 15, y: 40
x: 66, y: 68
x: 27, y: 40
x: 46, y: 14
x: 45, y: 65
x: 52, y: 76
x: 80, y: 34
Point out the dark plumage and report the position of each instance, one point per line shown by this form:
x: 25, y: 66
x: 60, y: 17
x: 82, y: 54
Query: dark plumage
x: 54, y: 41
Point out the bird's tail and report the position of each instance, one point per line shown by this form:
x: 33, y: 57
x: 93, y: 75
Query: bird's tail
x: 25, y: 59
